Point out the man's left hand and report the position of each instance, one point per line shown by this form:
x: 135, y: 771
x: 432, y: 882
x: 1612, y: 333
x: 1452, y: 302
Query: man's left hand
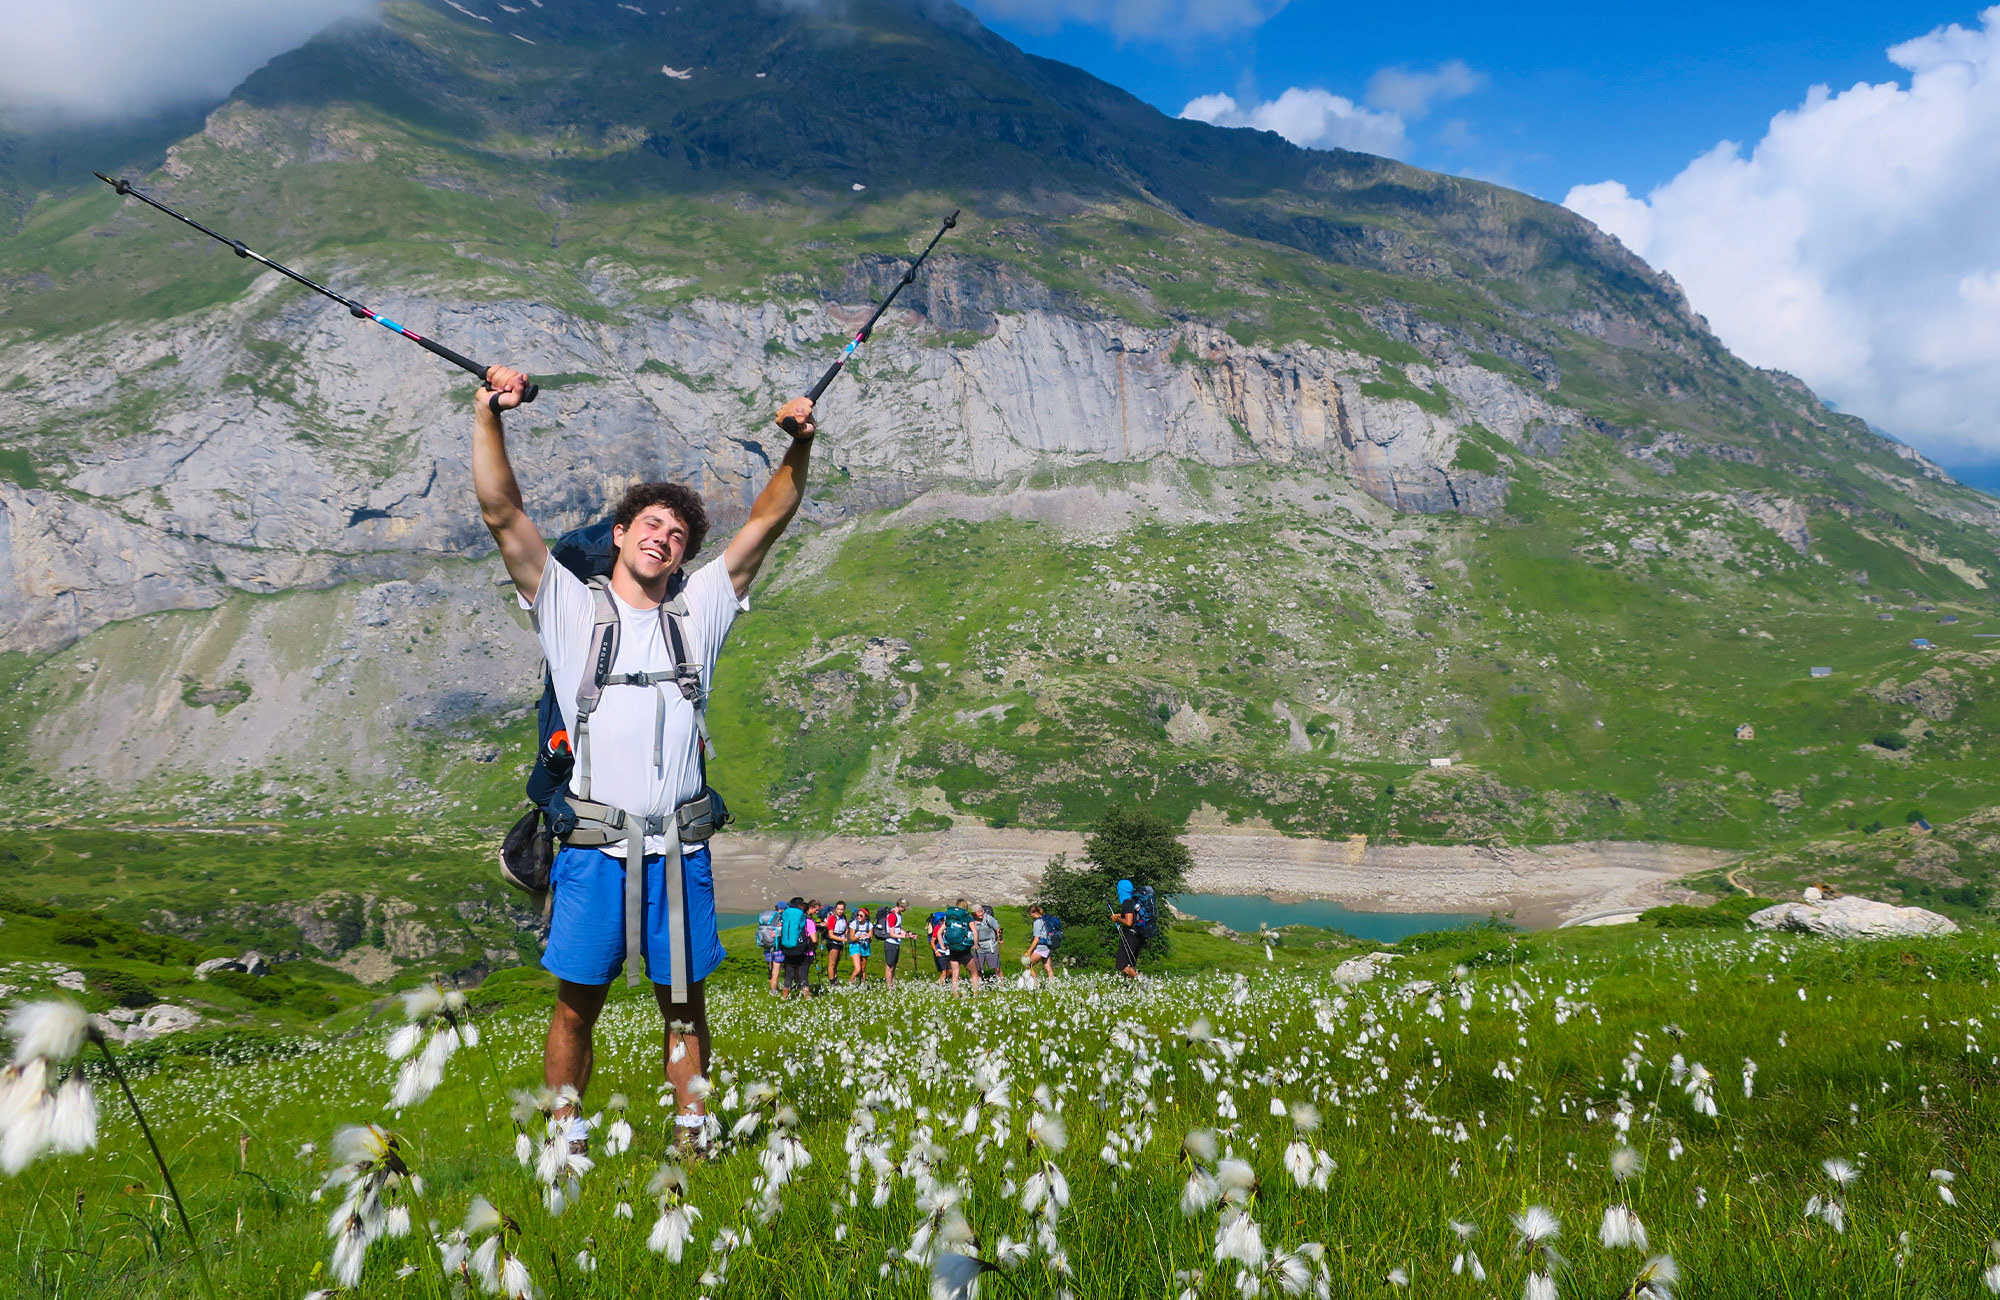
x: 795, y: 418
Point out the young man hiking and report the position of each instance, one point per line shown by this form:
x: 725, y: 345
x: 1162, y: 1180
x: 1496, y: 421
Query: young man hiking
x: 638, y: 753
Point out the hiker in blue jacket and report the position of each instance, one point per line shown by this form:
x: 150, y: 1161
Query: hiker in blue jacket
x: 640, y: 750
x: 1126, y: 913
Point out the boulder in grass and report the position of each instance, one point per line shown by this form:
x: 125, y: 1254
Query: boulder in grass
x: 1848, y: 917
x: 163, y: 1018
x: 1359, y: 970
x: 214, y: 964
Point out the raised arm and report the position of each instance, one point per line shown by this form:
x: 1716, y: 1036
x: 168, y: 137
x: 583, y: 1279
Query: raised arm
x: 777, y: 503
x: 522, y: 549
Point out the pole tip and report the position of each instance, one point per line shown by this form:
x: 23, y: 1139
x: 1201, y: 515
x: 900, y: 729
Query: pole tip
x: 122, y: 185
x: 952, y: 220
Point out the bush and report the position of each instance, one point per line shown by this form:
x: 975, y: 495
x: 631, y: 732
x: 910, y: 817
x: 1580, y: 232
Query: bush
x: 123, y: 990
x: 95, y: 930
x: 1891, y: 740
x: 1480, y: 935
x: 1125, y: 844
x: 1730, y: 913
x: 20, y: 906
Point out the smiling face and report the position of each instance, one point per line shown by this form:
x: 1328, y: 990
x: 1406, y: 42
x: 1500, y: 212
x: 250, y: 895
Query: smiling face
x: 652, y: 547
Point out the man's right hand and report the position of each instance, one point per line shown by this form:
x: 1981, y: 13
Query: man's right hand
x: 509, y: 385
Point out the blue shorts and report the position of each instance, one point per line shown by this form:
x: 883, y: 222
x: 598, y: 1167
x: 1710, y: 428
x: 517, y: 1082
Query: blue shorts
x: 587, y: 917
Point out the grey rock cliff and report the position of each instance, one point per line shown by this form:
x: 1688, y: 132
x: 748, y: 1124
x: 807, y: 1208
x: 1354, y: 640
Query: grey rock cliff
x: 346, y: 457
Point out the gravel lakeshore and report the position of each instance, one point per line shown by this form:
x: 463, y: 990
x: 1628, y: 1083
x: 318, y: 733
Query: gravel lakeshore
x: 1543, y: 885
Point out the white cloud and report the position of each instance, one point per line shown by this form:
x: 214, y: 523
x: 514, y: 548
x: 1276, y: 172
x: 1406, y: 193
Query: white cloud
x: 1856, y: 244
x: 1313, y: 119
x: 1412, y: 94
x: 97, y: 59
x: 1160, y: 20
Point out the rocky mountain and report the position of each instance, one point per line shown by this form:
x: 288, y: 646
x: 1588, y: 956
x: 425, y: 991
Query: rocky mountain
x: 1196, y: 466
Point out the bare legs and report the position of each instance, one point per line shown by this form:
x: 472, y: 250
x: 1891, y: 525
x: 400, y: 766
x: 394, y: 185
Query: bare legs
x: 567, y: 1057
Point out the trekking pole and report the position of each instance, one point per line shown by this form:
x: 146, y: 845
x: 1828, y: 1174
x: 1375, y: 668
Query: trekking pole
x: 861, y: 335
x: 354, y: 308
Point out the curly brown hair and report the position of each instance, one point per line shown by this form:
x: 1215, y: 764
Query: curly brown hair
x: 677, y: 497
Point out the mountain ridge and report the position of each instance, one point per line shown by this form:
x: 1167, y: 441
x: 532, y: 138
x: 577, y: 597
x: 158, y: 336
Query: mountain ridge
x: 1375, y: 466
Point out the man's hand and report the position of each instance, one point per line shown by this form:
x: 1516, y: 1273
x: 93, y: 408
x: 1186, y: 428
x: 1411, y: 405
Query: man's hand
x: 508, y: 385
x: 795, y: 417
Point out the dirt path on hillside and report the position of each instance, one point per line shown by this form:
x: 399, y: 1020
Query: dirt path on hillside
x: 1541, y: 886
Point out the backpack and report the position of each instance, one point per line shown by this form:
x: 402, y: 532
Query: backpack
x: 935, y: 931
x: 767, y: 928
x: 1052, y: 931
x: 792, y: 929
x: 1142, y: 910
x: 957, y: 931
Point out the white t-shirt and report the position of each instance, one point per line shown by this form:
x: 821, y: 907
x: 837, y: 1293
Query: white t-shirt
x: 622, y: 726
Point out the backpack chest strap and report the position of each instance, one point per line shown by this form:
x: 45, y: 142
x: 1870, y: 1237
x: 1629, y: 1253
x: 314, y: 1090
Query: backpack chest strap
x: 686, y: 677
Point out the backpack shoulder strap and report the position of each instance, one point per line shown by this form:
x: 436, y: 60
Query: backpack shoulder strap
x: 597, y: 672
x: 687, y: 674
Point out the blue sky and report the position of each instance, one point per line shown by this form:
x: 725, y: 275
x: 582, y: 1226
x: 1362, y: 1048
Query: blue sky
x: 1574, y: 93
x: 1843, y: 235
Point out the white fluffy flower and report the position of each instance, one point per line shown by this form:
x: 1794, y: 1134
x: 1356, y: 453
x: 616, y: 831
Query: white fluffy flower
x: 955, y: 1276
x: 1621, y: 1228
x: 48, y: 1031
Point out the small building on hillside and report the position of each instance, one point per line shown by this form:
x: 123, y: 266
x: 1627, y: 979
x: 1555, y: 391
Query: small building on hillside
x: 1822, y: 672
x: 1440, y: 762
x: 1949, y: 618
x: 1921, y: 643
x: 1746, y: 732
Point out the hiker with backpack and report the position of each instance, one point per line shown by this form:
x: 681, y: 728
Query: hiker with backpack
x: 835, y: 928
x: 1134, y: 912
x: 986, y: 946
x: 632, y: 662
x: 795, y: 944
x: 1042, y: 943
x: 860, y: 939
x: 957, y: 936
x: 934, y: 928
x: 767, y: 941
x: 893, y: 935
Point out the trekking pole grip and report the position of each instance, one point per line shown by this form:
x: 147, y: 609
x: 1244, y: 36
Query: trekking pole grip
x: 493, y: 402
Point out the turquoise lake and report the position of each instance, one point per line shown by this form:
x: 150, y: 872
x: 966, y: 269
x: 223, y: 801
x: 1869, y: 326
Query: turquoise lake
x: 1248, y: 911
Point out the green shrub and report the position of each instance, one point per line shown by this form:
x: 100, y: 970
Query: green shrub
x: 97, y: 931
x: 20, y: 906
x: 123, y: 990
x: 1891, y: 740
x: 1730, y: 913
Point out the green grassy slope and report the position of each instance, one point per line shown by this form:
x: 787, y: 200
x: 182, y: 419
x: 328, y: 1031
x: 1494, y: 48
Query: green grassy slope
x: 1504, y: 1087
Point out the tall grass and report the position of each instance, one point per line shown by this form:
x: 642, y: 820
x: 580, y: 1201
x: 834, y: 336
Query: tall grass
x: 1444, y: 1095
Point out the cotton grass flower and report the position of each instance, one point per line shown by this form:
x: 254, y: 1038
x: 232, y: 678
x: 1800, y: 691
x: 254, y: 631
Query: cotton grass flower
x: 1656, y: 1279
x: 377, y: 1184
x: 1942, y: 1180
x: 38, y: 1114
x: 675, y: 1225
x: 1626, y: 1162
x: 956, y: 1277
x: 1621, y: 1229
x: 427, y: 1006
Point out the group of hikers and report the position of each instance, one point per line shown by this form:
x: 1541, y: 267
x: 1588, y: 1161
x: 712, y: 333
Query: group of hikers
x: 963, y: 939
